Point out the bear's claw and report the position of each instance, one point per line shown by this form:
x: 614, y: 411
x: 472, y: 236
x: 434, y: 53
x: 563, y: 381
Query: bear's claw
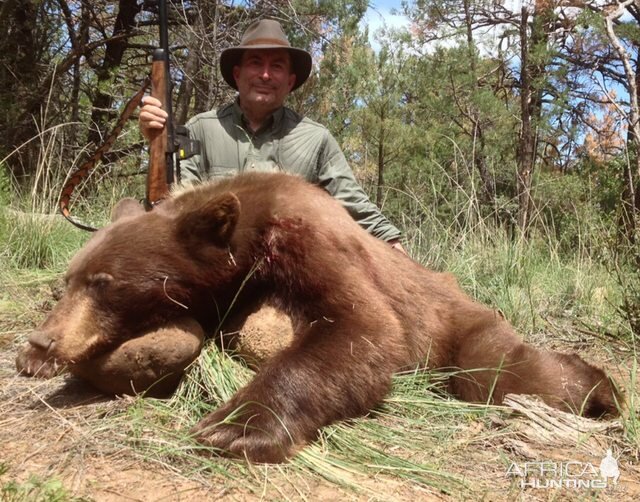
x: 34, y: 362
x: 248, y: 431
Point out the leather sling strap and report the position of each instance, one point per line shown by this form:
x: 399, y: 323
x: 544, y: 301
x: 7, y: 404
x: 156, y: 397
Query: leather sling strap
x: 85, y: 169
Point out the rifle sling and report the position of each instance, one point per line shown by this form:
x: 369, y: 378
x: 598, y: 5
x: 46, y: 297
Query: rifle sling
x: 83, y: 171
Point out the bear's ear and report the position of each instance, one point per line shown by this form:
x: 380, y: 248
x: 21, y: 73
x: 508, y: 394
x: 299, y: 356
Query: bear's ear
x: 212, y: 220
x: 126, y: 207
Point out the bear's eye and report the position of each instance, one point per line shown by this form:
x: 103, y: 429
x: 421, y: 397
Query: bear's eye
x: 100, y: 280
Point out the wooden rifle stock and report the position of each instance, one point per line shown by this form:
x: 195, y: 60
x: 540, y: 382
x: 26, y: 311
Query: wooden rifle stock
x: 160, y: 175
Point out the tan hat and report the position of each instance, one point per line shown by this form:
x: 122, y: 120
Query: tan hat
x: 265, y: 34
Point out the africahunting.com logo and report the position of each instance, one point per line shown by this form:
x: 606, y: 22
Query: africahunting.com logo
x: 571, y: 474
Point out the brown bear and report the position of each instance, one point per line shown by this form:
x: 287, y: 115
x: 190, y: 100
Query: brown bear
x: 360, y: 311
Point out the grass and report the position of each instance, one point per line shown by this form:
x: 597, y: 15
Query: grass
x: 34, y: 489
x: 418, y: 441
x: 37, y: 489
x: 33, y: 234
x: 418, y: 438
x: 416, y: 416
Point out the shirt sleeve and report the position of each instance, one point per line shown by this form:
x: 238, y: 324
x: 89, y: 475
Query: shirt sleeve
x: 337, y: 178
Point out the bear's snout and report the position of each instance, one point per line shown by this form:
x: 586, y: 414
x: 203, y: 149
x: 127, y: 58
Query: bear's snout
x: 41, y: 340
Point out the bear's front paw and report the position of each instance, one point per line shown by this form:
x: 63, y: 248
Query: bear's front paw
x: 34, y: 362
x: 249, y: 430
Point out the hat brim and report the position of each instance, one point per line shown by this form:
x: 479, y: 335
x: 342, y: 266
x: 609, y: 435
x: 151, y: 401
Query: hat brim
x: 300, y: 63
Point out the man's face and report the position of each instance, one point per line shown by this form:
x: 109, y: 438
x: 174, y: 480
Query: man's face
x: 264, y: 78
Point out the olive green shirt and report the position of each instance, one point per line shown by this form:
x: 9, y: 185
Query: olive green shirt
x: 288, y: 142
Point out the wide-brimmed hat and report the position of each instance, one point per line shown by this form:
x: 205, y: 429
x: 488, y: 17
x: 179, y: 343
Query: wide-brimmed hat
x: 265, y: 34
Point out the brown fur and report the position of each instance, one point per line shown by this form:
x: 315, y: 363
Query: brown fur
x: 361, y: 311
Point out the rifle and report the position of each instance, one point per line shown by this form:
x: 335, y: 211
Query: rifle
x: 161, y: 173
x: 164, y: 164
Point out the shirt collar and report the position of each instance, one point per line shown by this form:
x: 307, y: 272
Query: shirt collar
x: 271, y: 124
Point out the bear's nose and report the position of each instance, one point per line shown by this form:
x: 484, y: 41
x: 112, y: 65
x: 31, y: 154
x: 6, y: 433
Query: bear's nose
x: 40, y: 339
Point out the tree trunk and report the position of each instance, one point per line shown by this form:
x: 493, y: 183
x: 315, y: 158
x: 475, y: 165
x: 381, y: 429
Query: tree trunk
x: 185, y: 90
x: 526, y: 140
x: 480, y: 161
x: 114, y: 51
x: 379, y: 190
x: 80, y: 41
x: 21, y: 68
x: 532, y: 71
x: 479, y: 157
x: 629, y: 196
x: 629, y: 199
x: 204, y: 25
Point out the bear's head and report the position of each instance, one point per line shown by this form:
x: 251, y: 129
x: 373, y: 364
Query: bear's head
x: 142, y: 271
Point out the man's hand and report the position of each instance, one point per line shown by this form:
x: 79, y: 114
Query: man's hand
x: 395, y: 244
x: 152, y: 116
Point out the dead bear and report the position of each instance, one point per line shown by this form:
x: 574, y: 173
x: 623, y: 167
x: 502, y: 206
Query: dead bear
x: 360, y: 310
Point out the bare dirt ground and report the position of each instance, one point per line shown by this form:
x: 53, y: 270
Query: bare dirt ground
x: 62, y: 429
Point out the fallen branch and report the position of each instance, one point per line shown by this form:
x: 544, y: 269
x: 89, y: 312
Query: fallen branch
x: 541, y: 423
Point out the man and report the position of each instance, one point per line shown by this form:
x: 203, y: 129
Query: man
x: 257, y: 132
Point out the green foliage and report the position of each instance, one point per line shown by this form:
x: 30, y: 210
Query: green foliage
x: 532, y: 284
x: 31, y: 239
x: 627, y: 272
x: 32, y: 232
x: 417, y: 415
x: 427, y: 115
x: 558, y: 272
x: 5, y: 188
x: 34, y: 489
x: 532, y: 280
x: 574, y: 209
x: 434, y: 126
x: 630, y: 307
x: 37, y: 241
x: 218, y: 375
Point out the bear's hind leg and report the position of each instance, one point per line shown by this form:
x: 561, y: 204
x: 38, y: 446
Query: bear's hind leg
x: 496, y: 362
